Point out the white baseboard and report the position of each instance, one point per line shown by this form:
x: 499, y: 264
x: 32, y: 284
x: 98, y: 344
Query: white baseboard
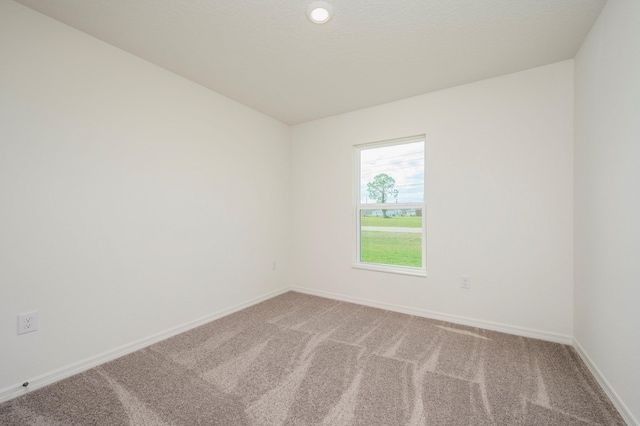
x: 16, y: 390
x: 489, y: 325
x: 604, y: 384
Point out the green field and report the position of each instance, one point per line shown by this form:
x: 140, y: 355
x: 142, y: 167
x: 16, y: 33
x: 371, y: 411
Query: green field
x: 396, y: 221
x: 391, y: 248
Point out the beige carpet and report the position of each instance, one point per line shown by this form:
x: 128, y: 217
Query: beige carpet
x: 304, y: 360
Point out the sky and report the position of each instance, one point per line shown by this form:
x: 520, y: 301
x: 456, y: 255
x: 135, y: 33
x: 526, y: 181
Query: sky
x: 404, y: 163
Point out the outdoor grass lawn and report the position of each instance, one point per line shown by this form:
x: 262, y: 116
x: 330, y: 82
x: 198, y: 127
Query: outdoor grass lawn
x: 391, y: 248
x: 396, y: 221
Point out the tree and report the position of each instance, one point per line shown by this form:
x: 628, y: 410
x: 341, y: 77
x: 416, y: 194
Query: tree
x: 381, y: 189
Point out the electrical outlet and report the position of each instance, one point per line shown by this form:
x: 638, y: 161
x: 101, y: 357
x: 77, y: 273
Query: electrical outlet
x: 27, y: 322
x: 465, y: 281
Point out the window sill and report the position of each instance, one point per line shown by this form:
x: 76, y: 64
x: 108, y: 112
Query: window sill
x: 402, y: 270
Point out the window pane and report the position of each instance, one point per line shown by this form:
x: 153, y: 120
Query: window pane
x: 391, y: 237
x: 392, y: 174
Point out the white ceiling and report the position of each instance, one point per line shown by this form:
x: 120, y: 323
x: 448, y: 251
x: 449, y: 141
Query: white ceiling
x: 267, y: 55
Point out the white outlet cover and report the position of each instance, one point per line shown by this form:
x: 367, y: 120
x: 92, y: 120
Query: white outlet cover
x: 465, y: 281
x: 27, y: 322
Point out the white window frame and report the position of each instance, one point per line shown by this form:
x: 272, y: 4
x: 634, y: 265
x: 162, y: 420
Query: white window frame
x: 358, y: 207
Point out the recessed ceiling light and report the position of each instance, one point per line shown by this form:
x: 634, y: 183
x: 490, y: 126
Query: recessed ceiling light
x: 319, y: 12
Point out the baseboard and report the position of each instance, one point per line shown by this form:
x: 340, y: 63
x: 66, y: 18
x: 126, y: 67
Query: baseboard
x: 604, y: 384
x: 504, y: 328
x: 16, y: 390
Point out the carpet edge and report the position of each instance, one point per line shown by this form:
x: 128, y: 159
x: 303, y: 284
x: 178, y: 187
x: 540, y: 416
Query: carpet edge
x: 16, y: 390
x: 622, y: 408
x: 455, y: 319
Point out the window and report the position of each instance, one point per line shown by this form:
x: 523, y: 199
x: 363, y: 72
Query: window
x: 389, y: 199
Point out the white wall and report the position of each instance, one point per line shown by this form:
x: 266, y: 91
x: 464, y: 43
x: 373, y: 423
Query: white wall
x: 607, y: 199
x: 132, y: 200
x: 499, y: 201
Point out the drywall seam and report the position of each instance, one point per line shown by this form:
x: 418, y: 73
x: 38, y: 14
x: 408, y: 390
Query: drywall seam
x: 42, y: 380
x: 489, y: 325
x: 604, y: 384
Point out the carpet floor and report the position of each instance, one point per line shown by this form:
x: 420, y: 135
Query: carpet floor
x: 304, y: 360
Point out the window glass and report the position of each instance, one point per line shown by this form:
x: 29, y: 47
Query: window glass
x: 394, y: 240
x: 392, y: 174
x: 390, y: 205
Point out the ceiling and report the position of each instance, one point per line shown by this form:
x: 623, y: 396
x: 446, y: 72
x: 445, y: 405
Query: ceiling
x: 268, y: 56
